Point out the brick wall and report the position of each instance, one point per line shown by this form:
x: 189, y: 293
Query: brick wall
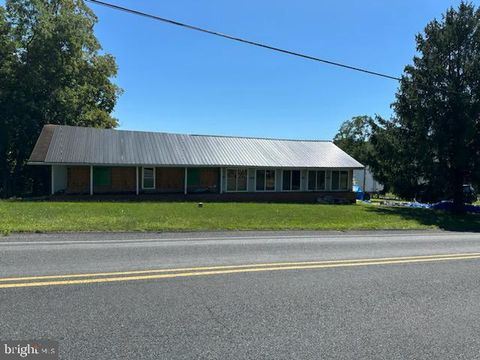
x: 123, y: 180
x: 274, y: 197
x: 169, y: 179
x: 289, y: 197
x: 208, y: 180
x: 78, y: 180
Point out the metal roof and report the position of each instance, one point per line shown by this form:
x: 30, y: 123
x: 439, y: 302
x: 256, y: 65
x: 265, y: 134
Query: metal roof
x: 59, y: 144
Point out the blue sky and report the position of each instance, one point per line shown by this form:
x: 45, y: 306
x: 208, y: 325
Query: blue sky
x: 177, y: 80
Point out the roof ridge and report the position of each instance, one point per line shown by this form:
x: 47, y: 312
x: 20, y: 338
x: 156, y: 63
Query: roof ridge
x: 197, y: 135
x: 261, y: 138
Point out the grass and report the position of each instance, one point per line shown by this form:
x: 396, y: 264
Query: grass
x: 38, y: 216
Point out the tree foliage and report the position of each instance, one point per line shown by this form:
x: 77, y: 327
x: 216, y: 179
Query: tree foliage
x: 432, y: 144
x: 438, y: 104
x: 52, y: 71
x: 391, y: 166
x: 365, y: 139
x: 353, y: 137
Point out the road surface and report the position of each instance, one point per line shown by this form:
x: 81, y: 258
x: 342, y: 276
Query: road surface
x: 245, y: 295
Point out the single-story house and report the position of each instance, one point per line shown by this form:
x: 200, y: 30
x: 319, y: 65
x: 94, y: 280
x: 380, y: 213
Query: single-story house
x: 178, y: 166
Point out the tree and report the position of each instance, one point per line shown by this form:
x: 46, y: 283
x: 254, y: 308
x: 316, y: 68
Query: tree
x: 52, y: 71
x: 7, y: 59
x: 434, y: 137
x: 353, y: 137
x: 390, y: 164
x: 374, y: 142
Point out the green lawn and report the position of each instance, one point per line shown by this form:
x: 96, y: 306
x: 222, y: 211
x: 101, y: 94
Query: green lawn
x: 38, y: 216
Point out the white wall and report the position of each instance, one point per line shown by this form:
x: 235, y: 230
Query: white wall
x: 371, y: 185
x: 59, y: 178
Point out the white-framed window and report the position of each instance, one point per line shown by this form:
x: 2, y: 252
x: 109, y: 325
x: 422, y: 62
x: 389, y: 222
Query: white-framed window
x: 237, y: 180
x: 265, y: 180
x: 339, y: 180
x: 291, y: 180
x: 148, y: 178
x: 316, y: 180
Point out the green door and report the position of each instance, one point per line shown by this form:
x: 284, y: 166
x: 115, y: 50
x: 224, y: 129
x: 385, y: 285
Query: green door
x: 193, y: 177
x: 102, y: 176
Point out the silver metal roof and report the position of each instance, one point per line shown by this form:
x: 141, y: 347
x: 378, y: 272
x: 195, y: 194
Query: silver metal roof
x: 80, y: 145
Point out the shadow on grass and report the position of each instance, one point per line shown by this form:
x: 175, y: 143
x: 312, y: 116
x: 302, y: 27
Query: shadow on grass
x: 443, y: 220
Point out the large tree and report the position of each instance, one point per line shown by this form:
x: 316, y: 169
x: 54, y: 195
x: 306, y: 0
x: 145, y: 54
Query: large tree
x: 434, y: 137
x: 353, y: 137
x: 52, y: 71
x: 369, y: 140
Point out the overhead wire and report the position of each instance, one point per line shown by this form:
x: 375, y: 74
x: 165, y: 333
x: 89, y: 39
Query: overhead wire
x: 244, y: 41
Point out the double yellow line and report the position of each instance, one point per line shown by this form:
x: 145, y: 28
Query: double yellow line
x: 106, y: 277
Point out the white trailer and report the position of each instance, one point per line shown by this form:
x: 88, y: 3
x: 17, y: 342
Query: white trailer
x: 364, y: 179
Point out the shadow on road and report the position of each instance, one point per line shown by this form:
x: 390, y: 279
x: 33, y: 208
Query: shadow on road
x: 444, y: 220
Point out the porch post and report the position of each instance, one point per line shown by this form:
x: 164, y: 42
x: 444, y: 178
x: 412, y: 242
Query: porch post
x: 53, y: 180
x: 91, y: 179
x: 186, y: 179
x: 136, y: 180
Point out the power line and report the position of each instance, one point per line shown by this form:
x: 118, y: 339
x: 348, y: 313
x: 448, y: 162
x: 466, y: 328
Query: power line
x: 245, y: 41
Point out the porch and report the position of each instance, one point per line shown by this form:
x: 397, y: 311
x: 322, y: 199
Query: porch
x: 203, y: 183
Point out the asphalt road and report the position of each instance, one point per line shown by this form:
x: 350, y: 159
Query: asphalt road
x: 366, y: 295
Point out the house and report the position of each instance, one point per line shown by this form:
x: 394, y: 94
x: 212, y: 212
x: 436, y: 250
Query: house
x: 177, y: 166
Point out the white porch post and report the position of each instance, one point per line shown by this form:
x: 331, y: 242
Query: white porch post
x: 53, y: 179
x: 136, y: 180
x: 186, y: 179
x: 91, y: 179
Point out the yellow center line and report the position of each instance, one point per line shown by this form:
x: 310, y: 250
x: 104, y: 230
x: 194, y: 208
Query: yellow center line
x: 227, y: 267
x: 252, y: 269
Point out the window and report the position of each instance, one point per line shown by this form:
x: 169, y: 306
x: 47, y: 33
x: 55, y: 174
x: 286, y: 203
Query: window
x: 316, y: 180
x: 339, y: 180
x: 102, y: 176
x: 291, y: 180
x: 237, y: 179
x: 148, y: 178
x: 265, y: 180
